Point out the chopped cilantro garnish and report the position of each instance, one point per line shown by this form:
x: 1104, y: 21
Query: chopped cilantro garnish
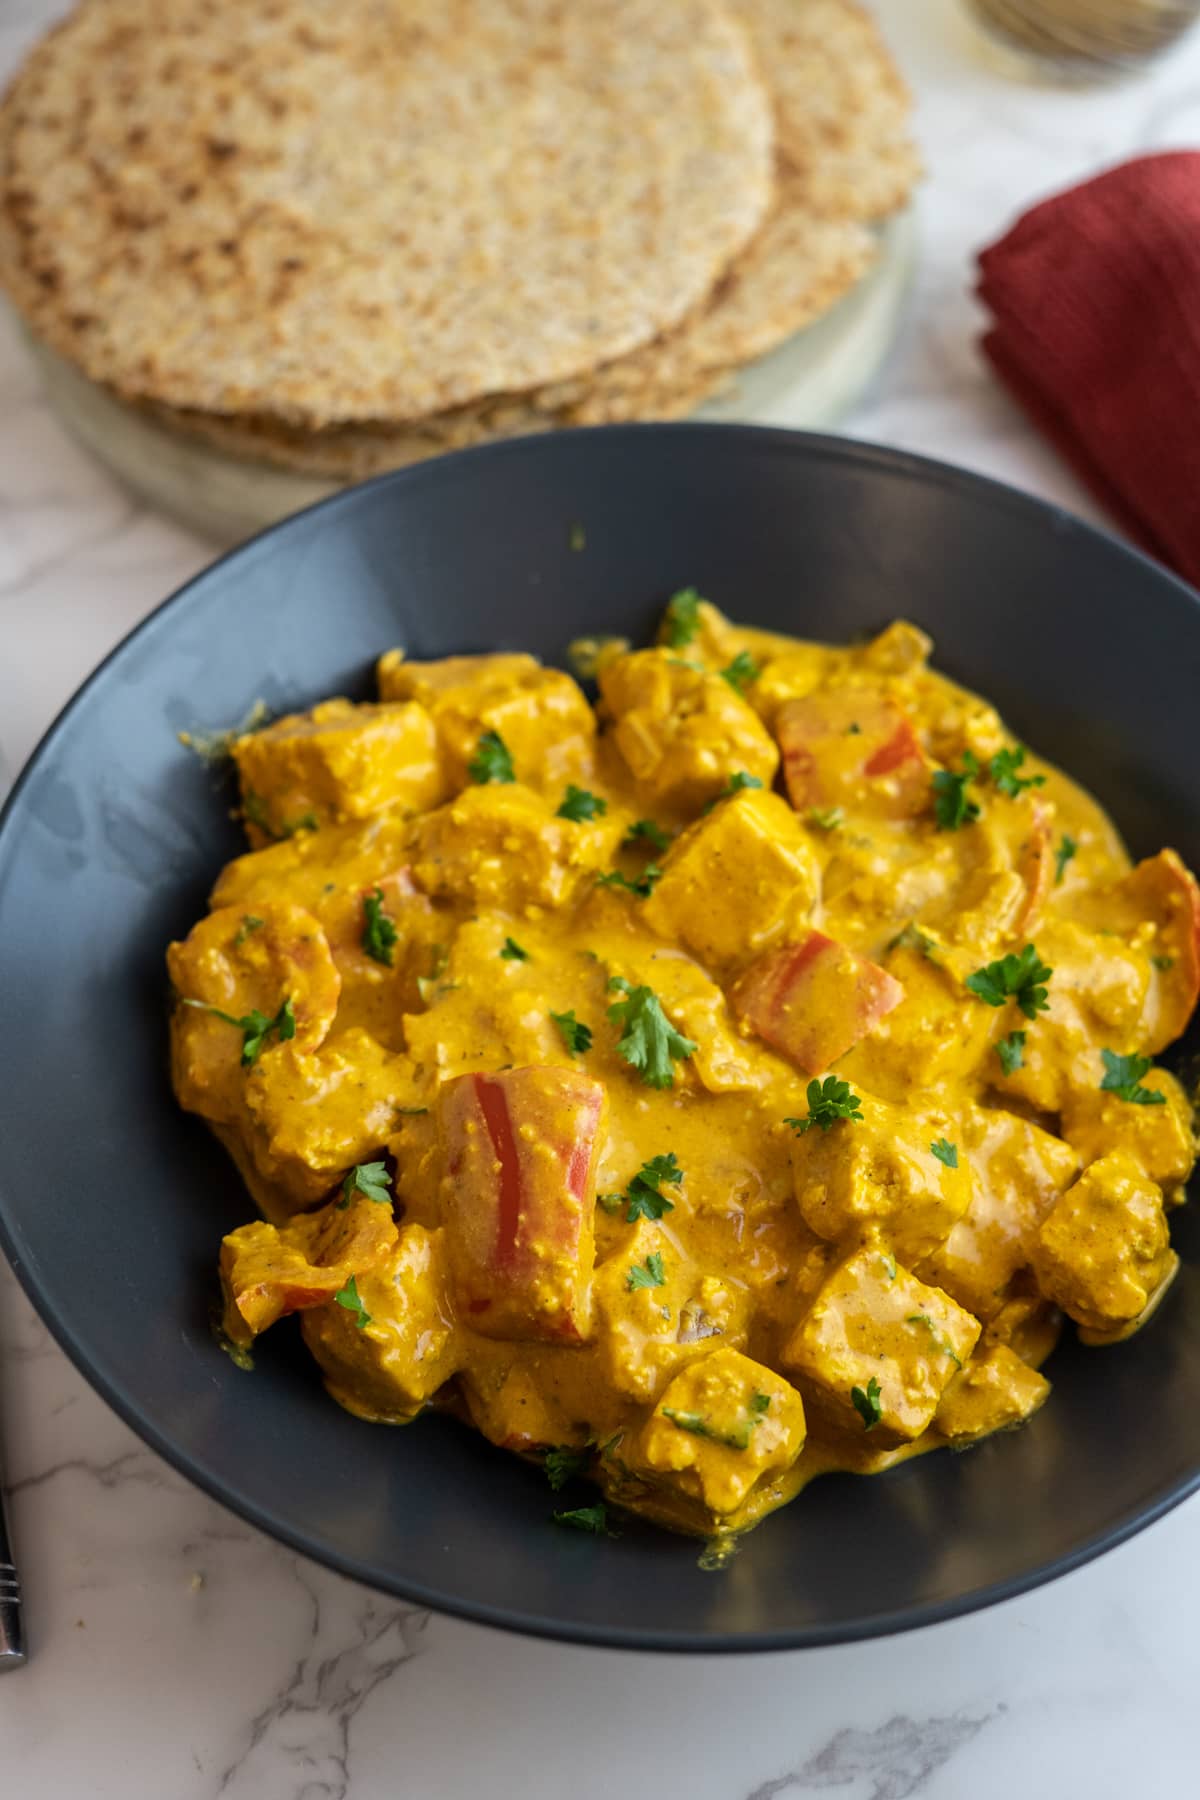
x: 1123, y: 1077
x: 826, y: 818
x: 1067, y: 848
x: 562, y: 1463
x: 1160, y: 962
x: 645, y: 831
x: 738, y: 782
x: 612, y: 1203
x: 427, y: 985
x: 371, y: 1179
x: 828, y: 1101
x: 587, y: 1518
x: 952, y: 806
x: 250, y: 922
x: 580, y: 805
x: 889, y: 1263
x: 649, y: 1042
x: 216, y: 747
x: 1021, y: 978
x: 512, y: 951
x: 1011, y: 1051
x: 491, y: 761
x: 913, y: 938
x: 699, y: 1426
x: 648, y: 1274
x: 941, y: 1344
x: 645, y: 1199
x: 945, y: 1152
x: 1003, y: 770
x: 681, y: 621
x: 256, y: 1027
x: 866, y: 1403
x: 379, y: 934
x: 575, y: 1036
x: 642, y: 885
x: 741, y: 672
x: 349, y: 1298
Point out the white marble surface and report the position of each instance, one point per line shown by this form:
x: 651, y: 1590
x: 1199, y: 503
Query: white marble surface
x: 178, y: 1655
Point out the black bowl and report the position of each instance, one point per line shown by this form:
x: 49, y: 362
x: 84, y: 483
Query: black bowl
x: 112, y: 1201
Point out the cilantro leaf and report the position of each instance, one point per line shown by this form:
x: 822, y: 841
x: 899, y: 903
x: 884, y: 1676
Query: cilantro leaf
x: 1021, y: 978
x: 575, y: 1036
x: 643, y: 885
x: 612, y: 1203
x: 371, y: 1179
x: 826, y: 818
x: 255, y: 1027
x: 828, y: 1101
x: 250, y: 922
x: 643, y: 1195
x: 1160, y: 962
x: 491, y: 761
x: 646, y: 831
x: 1067, y: 848
x: 741, y: 672
x: 681, y: 621
x: 648, y: 1274
x: 941, y: 1344
x: 350, y: 1298
x: 866, y: 1404
x: 945, y: 1152
x: 587, y: 1518
x: 379, y: 934
x: 562, y: 1463
x: 1123, y: 1077
x: 580, y: 805
x: 1003, y: 770
x: 913, y: 938
x: 649, y: 1042
x: 952, y: 807
x: 1011, y: 1051
x: 738, y: 783
x: 512, y: 951
x: 698, y: 1425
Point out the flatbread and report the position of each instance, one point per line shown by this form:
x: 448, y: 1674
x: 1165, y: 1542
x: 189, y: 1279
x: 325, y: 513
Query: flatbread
x: 338, y: 210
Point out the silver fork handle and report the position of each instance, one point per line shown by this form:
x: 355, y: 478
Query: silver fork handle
x: 12, y: 1637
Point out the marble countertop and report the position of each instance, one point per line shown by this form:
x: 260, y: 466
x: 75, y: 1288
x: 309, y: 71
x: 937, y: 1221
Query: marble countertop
x: 179, y: 1655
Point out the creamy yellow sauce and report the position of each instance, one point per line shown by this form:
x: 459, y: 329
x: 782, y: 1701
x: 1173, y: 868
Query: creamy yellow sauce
x: 495, y: 958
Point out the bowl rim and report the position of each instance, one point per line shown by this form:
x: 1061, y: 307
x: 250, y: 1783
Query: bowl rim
x: 887, y: 460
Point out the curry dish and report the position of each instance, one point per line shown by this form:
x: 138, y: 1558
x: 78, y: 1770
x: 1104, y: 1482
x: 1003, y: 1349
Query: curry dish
x: 736, y: 1080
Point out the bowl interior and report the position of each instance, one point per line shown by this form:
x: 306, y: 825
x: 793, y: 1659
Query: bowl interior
x: 112, y: 1202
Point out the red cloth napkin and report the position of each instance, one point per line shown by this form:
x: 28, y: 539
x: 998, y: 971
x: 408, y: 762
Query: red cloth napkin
x: 1096, y: 301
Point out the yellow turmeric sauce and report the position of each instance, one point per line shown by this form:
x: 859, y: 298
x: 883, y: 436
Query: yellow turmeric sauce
x: 731, y: 1082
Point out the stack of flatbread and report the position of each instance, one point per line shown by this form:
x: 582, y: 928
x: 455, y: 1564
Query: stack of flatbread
x: 341, y: 235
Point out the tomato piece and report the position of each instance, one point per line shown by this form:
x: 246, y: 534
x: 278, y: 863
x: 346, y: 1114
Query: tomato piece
x: 814, y: 1000
x: 518, y: 1200
x: 852, y: 748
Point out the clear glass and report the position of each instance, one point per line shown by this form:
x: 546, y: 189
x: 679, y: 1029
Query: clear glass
x: 1083, y: 40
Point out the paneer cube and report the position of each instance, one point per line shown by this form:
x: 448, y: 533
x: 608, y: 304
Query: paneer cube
x: 876, y: 1351
x: 1161, y: 1138
x: 1029, y: 1325
x: 541, y: 715
x: 881, y: 1171
x: 227, y: 970
x: 309, y: 1116
x: 682, y: 732
x: 389, y: 1368
x: 1104, y: 1252
x: 812, y: 1000
x: 939, y: 1033
x: 654, y: 1312
x: 504, y: 846
x: 518, y: 1200
x: 721, y: 1426
x: 1019, y: 1173
x: 734, y: 879
x: 339, y: 761
x: 854, y: 748
x: 268, y: 1271
x: 899, y: 649
x: 995, y: 1392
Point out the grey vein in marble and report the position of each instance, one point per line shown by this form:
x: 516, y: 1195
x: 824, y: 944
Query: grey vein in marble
x: 898, y: 1758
